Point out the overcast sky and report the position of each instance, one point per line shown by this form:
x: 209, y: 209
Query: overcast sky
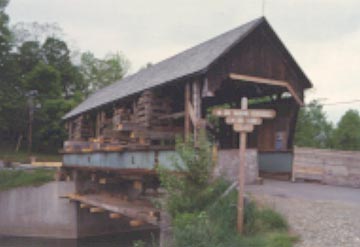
x: 323, y: 35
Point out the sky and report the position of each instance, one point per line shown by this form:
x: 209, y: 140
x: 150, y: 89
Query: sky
x: 322, y: 35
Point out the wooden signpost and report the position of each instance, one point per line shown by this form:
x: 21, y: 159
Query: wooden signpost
x: 243, y: 121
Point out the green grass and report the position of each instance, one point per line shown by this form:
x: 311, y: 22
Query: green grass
x: 24, y: 157
x: 216, y: 227
x: 10, y: 179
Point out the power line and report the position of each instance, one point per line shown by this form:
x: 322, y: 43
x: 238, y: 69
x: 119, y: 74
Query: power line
x: 342, y: 102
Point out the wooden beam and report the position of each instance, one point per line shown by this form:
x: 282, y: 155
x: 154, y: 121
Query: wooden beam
x: 186, y: 105
x: 136, y: 223
x: 192, y: 114
x: 122, y: 207
x: 97, y: 210
x: 268, y: 81
x: 102, y: 181
x: 173, y: 115
x: 196, y: 98
x: 84, y: 205
x: 115, y: 216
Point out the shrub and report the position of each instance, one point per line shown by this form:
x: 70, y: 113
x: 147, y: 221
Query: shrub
x: 202, y: 217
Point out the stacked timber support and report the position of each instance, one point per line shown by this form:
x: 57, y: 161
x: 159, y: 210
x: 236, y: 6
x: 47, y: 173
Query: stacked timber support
x: 80, y: 128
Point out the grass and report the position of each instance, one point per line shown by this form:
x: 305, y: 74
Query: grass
x: 24, y: 157
x: 216, y: 227
x: 10, y: 179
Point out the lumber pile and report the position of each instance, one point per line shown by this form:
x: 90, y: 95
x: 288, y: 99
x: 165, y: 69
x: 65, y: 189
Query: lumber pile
x: 81, y: 128
x: 146, y: 122
x: 150, y: 108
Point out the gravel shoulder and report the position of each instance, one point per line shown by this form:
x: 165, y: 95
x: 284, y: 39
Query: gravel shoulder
x: 323, y: 216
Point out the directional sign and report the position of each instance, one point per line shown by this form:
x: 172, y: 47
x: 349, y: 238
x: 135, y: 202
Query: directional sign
x: 243, y: 127
x: 255, y: 113
x: 243, y: 120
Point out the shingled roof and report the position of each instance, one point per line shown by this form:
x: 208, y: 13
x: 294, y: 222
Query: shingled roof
x: 195, y: 60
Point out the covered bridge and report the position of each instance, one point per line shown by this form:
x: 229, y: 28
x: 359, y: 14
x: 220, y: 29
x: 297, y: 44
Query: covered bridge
x: 130, y: 126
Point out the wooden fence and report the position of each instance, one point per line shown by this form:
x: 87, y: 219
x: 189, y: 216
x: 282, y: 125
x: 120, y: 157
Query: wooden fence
x: 331, y: 167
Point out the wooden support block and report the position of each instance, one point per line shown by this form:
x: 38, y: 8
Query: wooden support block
x: 102, y: 181
x: 97, y: 210
x: 84, y: 205
x: 115, y: 216
x: 138, y: 185
x: 136, y: 223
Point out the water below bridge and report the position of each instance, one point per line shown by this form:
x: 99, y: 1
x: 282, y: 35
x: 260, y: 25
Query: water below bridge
x: 119, y: 240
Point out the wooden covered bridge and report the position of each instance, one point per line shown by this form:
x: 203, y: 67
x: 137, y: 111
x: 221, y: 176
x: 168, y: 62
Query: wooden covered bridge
x: 123, y: 131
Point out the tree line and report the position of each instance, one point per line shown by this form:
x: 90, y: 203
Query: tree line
x: 315, y: 130
x: 40, y: 82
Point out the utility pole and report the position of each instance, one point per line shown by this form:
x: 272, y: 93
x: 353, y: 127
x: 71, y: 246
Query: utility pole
x: 31, y: 108
x: 243, y: 121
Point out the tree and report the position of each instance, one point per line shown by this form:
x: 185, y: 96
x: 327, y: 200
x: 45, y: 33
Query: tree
x: 56, y: 53
x: 34, y: 31
x: 5, y: 34
x: 313, y: 129
x: 99, y: 73
x: 347, y: 133
x: 11, y: 97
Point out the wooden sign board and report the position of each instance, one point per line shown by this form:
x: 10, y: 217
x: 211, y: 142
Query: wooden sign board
x: 255, y: 113
x: 243, y: 127
x: 243, y: 120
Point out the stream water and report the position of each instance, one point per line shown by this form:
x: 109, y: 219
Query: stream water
x: 119, y: 240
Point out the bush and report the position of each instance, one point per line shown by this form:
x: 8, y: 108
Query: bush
x: 202, y: 217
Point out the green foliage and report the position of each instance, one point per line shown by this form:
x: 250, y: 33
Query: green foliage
x: 347, y: 133
x: 45, y: 80
x: 203, y: 217
x: 313, y: 129
x: 9, y: 155
x: 262, y: 220
x: 10, y: 179
x: 99, y: 73
x: 194, y: 166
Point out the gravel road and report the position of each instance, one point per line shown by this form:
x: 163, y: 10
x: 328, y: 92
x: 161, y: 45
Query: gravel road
x: 323, y: 216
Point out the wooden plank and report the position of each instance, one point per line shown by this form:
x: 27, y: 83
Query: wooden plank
x: 187, y: 116
x: 84, y: 205
x: 243, y: 127
x: 128, y: 209
x: 243, y: 120
x: 46, y: 164
x: 136, y: 223
x: 97, y: 210
x: 252, y: 113
x: 196, y: 99
x: 115, y: 216
x: 268, y: 81
x: 192, y: 114
x: 173, y: 115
